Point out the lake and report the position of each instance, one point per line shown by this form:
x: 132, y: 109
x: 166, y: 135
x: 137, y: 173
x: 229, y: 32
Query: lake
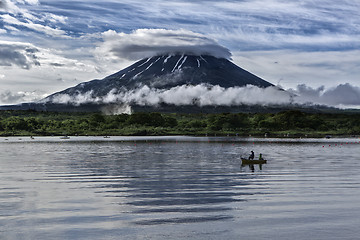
x: 178, y: 188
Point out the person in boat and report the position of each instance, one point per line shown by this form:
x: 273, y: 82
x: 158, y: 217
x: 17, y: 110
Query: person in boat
x: 252, y: 155
x: 261, y: 157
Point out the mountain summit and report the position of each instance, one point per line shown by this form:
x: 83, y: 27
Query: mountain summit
x: 168, y: 71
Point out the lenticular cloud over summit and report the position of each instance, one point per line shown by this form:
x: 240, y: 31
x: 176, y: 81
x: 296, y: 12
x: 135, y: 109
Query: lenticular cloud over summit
x: 143, y: 43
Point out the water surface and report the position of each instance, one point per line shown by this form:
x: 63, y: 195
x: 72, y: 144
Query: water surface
x: 178, y: 188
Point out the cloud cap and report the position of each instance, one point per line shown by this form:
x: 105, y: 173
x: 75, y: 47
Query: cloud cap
x: 143, y: 43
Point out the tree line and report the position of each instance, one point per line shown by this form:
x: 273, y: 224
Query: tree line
x: 294, y: 123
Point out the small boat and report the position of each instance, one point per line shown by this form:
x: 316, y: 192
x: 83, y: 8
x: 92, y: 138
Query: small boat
x: 245, y: 161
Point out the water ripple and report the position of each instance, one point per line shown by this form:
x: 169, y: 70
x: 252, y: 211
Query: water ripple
x: 189, y: 190
x: 183, y: 220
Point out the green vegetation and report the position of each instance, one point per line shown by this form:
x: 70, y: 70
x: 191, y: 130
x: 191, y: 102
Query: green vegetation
x: 287, y: 123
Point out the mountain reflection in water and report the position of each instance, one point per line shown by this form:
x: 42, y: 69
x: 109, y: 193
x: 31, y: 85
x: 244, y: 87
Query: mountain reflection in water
x: 176, y: 188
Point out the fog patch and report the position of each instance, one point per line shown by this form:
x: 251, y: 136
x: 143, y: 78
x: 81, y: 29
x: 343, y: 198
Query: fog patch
x: 9, y: 97
x: 116, y: 109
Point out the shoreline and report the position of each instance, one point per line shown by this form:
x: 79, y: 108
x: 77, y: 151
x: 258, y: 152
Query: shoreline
x: 183, y: 138
x: 186, y: 133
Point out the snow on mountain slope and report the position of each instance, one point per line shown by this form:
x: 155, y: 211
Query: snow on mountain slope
x: 166, y: 72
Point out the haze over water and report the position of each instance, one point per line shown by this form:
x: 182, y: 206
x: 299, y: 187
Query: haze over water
x: 178, y: 188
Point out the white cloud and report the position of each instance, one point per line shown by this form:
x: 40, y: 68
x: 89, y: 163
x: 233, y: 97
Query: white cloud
x: 9, y: 97
x: 11, y: 29
x: 275, y: 24
x: 342, y: 96
x: 290, y: 68
x: 31, y: 2
x: 11, y: 6
x: 55, y: 18
x: 202, y: 95
x: 34, y: 26
x: 8, y: 6
x: 143, y: 43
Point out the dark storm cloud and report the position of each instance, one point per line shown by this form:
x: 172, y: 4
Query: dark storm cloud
x: 57, y: 64
x: 340, y: 96
x: 344, y: 94
x: 18, y: 54
x: 3, y: 4
x: 9, y: 57
x: 8, y: 97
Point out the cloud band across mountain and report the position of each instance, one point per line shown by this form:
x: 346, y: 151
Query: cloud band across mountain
x: 143, y: 43
x: 206, y: 95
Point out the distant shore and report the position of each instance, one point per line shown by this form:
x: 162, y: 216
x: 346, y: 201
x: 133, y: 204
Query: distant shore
x: 287, y: 124
x: 335, y: 141
x: 231, y: 135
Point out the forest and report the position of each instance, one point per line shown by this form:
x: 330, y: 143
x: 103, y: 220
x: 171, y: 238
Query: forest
x: 292, y: 123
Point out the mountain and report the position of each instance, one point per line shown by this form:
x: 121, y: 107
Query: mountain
x: 165, y: 72
x: 156, y: 73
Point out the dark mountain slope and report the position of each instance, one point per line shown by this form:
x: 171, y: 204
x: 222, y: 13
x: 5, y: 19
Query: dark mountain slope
x: 164, y: 72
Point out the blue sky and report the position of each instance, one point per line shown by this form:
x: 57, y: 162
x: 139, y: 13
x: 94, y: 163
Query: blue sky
x: 49, y: 45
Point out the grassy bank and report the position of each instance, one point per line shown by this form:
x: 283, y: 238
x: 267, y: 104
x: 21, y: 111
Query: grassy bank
x: 288, y: 123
